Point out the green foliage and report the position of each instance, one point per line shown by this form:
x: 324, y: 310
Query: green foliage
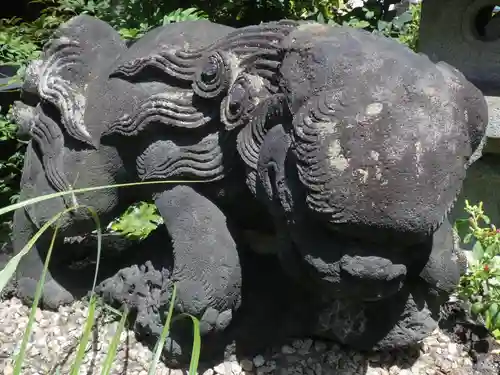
x: 10, y: 169
x: 179, y: 15
x: 369, y: 17
x: 481, y: 284
x: 404, y: 28
x: 138, y: 221
x: 20, y: 42
x: 131, y: 18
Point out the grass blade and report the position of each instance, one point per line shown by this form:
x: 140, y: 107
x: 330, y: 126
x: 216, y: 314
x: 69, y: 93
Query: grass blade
x: 99, y: 246
x: 38, y: 293
x: 82, y: 345
x: 195, y: 354
x: 113, y: 346
x: 75, y: 370
x: 164, y: 333
x: 10, y: 268
x: 42, y: 198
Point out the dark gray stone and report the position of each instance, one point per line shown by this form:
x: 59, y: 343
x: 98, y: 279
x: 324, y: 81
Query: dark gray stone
x: 343, y: 150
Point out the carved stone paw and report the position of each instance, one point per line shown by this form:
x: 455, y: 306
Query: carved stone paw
x: 147, y: 292
x: 396, y: 322
x: 53, y: 295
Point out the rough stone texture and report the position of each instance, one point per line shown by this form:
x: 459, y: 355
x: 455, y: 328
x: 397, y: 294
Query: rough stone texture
x: 451, y: 36
x: 493, y: 129
x: 346, y: 149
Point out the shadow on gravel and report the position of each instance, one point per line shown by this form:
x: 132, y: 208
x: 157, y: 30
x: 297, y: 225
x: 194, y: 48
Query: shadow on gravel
x: 457, y: 322
x: 274, y: 309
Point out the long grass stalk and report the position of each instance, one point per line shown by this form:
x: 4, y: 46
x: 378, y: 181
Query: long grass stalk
x: 12, y: 265
x: 113, y: 346
x: 164, y: 333
x: 45, y: 197
x: 87, y: 331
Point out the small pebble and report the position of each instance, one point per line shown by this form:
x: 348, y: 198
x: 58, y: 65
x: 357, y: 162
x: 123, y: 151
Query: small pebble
x: 235, y: 368
x: 259, y: 361
x: 38, y: 315
x: 452, y: 348
x: 56, y: 334
x: 221, y: 369
x: 297, y: 344
x: 246, y: 364
x: 306, y: 346
x: 320, y: 346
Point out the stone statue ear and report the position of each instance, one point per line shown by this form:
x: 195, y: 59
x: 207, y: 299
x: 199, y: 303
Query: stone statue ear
x: 213, y: 76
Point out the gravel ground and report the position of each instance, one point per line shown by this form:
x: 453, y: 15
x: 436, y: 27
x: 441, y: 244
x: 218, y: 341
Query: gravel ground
x: 56, y: 334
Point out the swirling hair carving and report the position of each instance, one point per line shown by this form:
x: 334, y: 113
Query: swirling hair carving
x: 60, y: 56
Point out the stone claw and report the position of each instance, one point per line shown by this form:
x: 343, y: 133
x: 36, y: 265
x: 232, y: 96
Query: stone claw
x: 53, y: 295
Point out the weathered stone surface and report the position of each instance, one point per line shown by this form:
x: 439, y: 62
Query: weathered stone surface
x: 345, y: 149
x: 493, y: 129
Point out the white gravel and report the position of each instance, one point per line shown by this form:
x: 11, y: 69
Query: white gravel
x: 56, y: 335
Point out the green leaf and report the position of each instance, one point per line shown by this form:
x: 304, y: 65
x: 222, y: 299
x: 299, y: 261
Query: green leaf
x: 320, y: 18
x: 477, y: 308
x: 404, y: 18
x: 494, y: 312
x: 362, y: 24
x: 478, y: 251
x: 138, y: 221
x: 382, y: 25
x: 493, y: 250
x: 496, y: 334
x: 462, y: 228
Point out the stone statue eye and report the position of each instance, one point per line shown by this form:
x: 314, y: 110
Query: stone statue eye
x: 238, y: 105
x: 212, y: 79
x: 236, y: 99
x: 210, y: 70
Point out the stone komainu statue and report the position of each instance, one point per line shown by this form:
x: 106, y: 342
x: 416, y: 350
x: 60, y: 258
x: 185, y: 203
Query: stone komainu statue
x: 354, y: 146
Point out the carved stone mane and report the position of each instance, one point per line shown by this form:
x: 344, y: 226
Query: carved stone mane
x: 59, y: 81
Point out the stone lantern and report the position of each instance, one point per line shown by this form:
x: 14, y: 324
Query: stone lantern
x: 466, y: 34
